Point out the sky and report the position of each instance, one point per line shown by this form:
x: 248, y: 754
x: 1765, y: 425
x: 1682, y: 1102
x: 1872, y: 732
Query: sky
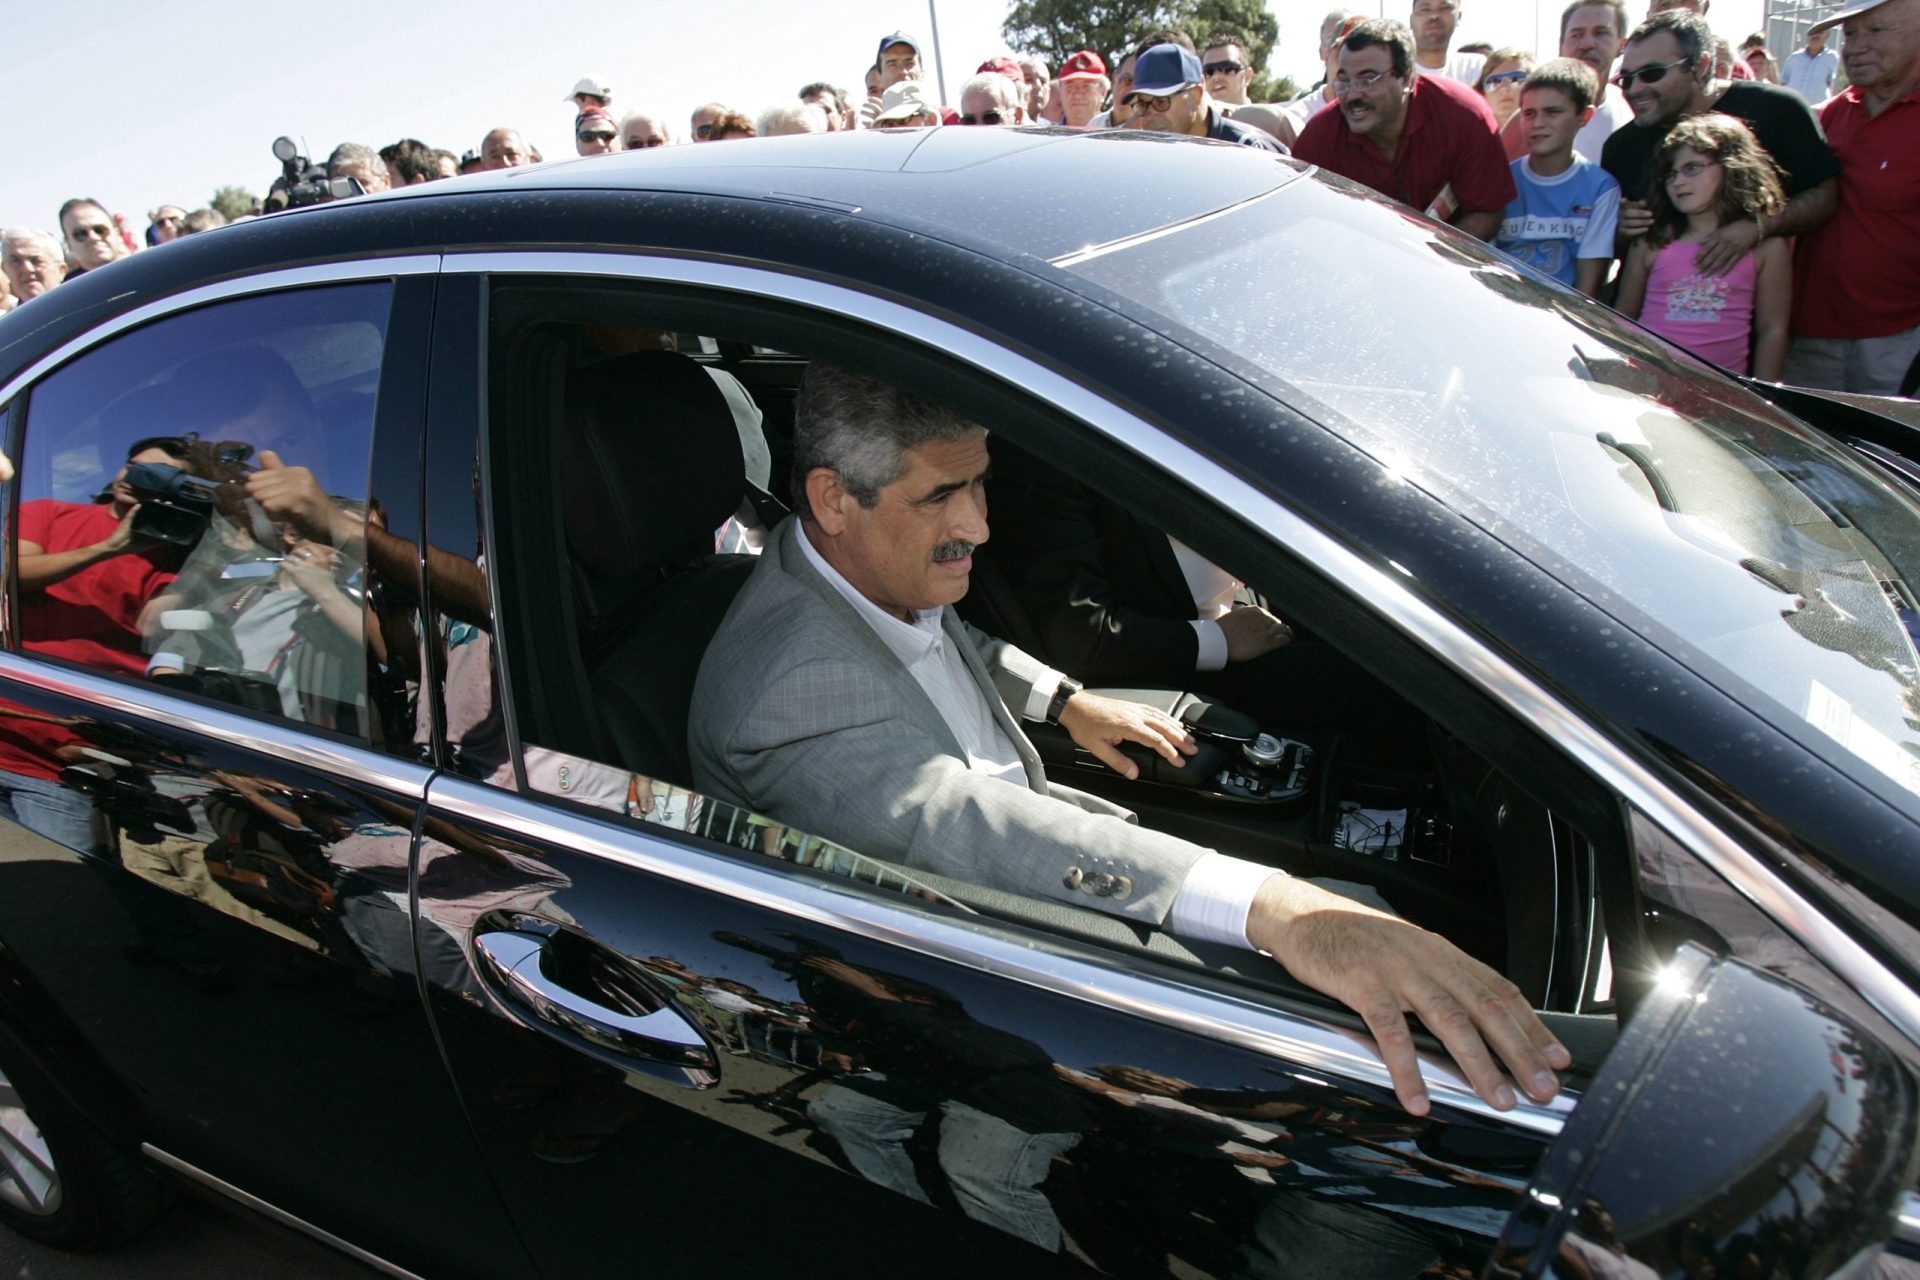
x: 140, y: 104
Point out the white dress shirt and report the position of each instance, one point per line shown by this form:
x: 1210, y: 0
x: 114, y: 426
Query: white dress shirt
x: 1213, y: 590
x: 1217, y: 895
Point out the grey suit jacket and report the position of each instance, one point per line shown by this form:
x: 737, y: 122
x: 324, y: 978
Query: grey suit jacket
x: 802, y: 713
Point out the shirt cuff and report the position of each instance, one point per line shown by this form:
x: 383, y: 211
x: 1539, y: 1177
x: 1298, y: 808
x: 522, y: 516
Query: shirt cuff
x: 1212, y: 654
x: 1215, y: 899
x: 1040, y: 696
x: 164, y: 661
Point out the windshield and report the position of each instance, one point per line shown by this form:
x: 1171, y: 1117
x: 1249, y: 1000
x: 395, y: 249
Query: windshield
x: 1759, y: 552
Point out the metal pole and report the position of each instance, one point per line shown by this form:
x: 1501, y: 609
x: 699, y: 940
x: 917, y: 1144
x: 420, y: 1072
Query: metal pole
x: 939, y: 67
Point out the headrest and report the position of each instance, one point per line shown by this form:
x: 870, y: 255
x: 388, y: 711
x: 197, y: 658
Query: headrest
x: 650, y: 464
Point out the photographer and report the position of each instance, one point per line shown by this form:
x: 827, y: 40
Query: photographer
x: 87, y: 581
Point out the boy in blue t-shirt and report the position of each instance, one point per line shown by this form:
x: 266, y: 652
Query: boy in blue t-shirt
x: 1562, y: 221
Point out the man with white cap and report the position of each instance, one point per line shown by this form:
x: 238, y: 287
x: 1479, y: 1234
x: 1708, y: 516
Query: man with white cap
x: 906, y: 105
x: 591, y: 93
x: 1083, y: 88
x: 1856, y: 304
x: 1170, y: 96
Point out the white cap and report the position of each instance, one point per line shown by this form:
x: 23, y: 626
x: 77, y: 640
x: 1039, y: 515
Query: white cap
x: 903, y: 101
x: 594, y: 85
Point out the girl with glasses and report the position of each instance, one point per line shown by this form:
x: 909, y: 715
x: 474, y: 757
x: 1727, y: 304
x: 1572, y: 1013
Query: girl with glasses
x: 1501, y: 76
x: 1710, y: 171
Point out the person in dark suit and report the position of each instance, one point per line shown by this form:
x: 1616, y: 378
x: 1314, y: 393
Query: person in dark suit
x: 842, y: 696
x: 1114, y: 601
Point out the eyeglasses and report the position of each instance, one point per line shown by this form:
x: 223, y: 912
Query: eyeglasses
x: 1364, y: 81
x: 1504, y: 77
x: 703, y: 131
x: 591, y: 136
x: 1691, y: 169
x: 1150, y: 104
x: 1223, y: 68
x: 985, y: 117
x: 641, y: 144
x: 1652, y: 75
x: 98, y: 231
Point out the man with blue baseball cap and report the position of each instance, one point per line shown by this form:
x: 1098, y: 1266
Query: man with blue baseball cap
x: 1169, y: 95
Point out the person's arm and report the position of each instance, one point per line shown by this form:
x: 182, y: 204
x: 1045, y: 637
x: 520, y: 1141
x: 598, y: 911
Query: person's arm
x: 1633, y: 279
x: 1588, y: 274
x: 1479, y: 223
x: 1772, y: 306
x: 40, y: 568
x: 1808, y: 211
x: 1594, y: 253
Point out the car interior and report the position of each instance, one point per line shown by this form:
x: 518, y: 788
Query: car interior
x: 608, y: 570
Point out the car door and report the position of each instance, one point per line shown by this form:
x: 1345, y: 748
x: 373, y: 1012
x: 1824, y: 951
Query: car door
x: 212, y: 774
x: 677, y: 1024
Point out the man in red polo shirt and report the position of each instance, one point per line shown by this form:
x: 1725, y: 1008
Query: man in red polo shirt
x: 1410, y: 137
x: 1856, y: 303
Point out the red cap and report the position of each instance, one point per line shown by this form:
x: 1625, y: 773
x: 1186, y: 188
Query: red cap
x: 1003, y: 66
x: 949, y: 116
x: 1081, y: 65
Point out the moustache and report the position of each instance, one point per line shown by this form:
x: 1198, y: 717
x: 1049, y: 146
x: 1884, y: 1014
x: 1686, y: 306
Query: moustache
x: 955, y: 550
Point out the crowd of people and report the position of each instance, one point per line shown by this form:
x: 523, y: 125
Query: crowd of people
x: 1728, y: 199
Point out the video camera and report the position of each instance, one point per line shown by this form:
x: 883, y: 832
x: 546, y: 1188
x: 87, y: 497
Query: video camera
x: 302, y: 182
x: 175, y: 506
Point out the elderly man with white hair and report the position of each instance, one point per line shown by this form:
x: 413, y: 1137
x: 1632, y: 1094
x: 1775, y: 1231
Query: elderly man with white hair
x: 361, y: 163
x: 645, y: 128
x: 790, y: 118
x: 32, y: 261
x: 991, y: 98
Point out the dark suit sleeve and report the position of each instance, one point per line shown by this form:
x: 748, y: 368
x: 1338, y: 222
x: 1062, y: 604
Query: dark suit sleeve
x: 1091, y: 580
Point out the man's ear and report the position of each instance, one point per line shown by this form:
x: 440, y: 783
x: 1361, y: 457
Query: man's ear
x: 1586, y: 115
x: 827, y: 498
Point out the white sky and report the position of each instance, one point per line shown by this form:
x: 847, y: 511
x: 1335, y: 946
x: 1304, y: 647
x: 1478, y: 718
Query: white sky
x: 143, y: 104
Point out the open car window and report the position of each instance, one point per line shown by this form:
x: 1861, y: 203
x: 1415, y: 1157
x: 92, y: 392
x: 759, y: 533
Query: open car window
x: 630, y: 540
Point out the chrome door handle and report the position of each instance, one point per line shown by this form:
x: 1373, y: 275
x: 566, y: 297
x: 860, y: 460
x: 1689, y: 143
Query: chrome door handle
x: 514, y: 965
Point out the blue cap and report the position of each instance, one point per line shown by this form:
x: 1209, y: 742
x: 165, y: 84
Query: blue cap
x: 887, y: 42
x: 1166, y: 69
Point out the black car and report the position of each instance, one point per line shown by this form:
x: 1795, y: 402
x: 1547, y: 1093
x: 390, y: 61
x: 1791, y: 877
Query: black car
x: 362, y: 557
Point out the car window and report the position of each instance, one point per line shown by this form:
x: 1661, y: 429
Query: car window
x: 193, y: 504
x: 1751, y: 547
x: 629, y: 473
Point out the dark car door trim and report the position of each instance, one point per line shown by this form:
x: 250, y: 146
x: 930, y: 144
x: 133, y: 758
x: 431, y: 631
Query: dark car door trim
x: 150, y: 703
x: 238, y: 287
x: 1034, y: 960
x: 273, y: 1211
x: 1370, y: 584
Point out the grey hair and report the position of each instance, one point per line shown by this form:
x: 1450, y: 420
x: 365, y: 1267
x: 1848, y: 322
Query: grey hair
x: 654, y: 118
x: 1000, y: 88
x: 354, y: 153
x: 861, y: 428
x: 27, y: 235
x: 791, y: 117
x: 1331, y: 23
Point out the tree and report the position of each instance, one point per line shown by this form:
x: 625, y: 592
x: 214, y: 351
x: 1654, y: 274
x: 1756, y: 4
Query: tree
x: 234, y: 202
x: 1054, y: 29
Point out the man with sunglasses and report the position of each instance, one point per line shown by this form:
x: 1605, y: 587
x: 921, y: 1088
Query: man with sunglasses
x: 1170, y: 96
x: 92, y: 238
x: 1666, y: 75
x: 1229, y: 69
x: 1410, y: 136
x: 643, y: 130
x: 991, y: 98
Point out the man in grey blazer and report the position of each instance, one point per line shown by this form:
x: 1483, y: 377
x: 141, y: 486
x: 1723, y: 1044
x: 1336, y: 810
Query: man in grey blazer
x: 842, y: 696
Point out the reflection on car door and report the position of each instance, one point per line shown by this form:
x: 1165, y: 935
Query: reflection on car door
x: 203, y: 882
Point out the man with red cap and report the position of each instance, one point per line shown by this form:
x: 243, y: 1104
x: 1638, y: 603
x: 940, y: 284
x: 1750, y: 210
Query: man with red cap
x: 1083, y: 88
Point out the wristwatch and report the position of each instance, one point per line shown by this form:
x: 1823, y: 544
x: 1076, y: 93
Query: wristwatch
x: 1068, y: 687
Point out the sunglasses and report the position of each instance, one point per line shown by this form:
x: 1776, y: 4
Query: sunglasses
x: 985, y: 117
x: 703, y: 131
x: 1223, y: 68
x: 1652, y: 75
x: 594, y: 137
x: 1148, y: 104
x: 1504, y: 77
x: 96, y: 232
x: 641, y: 144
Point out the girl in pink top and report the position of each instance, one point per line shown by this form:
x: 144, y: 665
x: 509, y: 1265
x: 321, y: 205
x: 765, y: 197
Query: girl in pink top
x: 1711, y: 172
